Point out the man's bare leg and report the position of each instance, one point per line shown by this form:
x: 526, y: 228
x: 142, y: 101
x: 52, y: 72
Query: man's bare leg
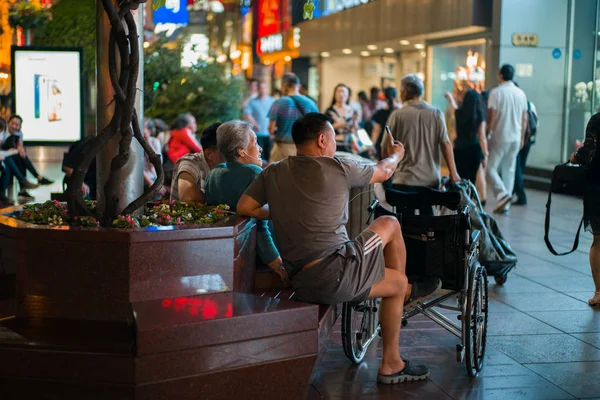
x: 392, y: 289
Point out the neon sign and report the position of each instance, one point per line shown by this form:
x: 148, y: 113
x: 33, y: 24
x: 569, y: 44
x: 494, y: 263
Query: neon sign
x: 270, y: 44
x: 269, y: 17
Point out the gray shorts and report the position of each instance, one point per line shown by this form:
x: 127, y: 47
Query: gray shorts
x: 346, y: 275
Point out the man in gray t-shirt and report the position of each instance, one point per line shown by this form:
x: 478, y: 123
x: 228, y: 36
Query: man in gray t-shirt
x: 307, y: 198
x: 422, y: 129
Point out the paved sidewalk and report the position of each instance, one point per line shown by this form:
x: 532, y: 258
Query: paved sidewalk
x: 543, y: 338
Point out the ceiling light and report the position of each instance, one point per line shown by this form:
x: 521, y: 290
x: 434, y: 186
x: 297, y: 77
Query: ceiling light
x: 404, y: 42
x: 372, y: 47
x: 287, y: 58
x: 388, y: 50
x: 419, y: 46
x: 346, y: 51
x: 325, y: 54
x: 365, y: 53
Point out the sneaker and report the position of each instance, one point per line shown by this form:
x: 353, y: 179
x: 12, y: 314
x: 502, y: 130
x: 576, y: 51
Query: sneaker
x: 25, y: 184
x: 23, y: 194
x: 409, y: 373
x: 502, y: 203
x: 45, y: 181
x: 422, y: 289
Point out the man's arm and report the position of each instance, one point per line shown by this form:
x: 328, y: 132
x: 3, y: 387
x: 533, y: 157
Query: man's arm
x: 248, y: 207
x: 188, y: 192
x: 483, y: 143
x: 272, y: 127
x: 449, y: 157
x: 393, y: 151
x: 490, y: 119
x: 524, y: 124
x: 248, y: 117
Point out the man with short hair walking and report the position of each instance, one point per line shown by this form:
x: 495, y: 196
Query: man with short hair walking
x: 507, y: 122
x: 284, y: 112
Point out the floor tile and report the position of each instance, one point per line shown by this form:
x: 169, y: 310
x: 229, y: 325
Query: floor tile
x: 581, y: 379
x: 571, y: 321
x: 589, y: 338
x: 517, y: 284
x: 542, y: 302
x: 516, y: 323
x: 544, y: 348
x: 568, y: 284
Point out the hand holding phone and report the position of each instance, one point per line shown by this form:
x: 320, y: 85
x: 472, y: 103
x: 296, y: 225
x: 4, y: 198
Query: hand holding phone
x: 393, y: 146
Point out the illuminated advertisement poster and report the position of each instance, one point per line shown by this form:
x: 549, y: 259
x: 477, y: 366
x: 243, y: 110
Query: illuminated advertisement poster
x: 47, y: 93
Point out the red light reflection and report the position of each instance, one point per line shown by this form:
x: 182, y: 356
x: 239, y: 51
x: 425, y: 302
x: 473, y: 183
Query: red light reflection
x: 207, y: 308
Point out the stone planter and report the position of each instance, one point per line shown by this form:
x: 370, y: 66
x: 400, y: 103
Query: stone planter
x: 147, y: 314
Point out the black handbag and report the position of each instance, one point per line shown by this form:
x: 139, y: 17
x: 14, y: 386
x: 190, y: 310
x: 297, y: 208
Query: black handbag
x: 570, y: 180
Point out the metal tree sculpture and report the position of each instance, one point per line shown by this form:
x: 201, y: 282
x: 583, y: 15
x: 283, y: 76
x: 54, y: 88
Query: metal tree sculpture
x: 124, y: 40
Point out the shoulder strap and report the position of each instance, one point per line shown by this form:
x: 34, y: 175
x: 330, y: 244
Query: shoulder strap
x: 547, y: 231
x: 297, y: 104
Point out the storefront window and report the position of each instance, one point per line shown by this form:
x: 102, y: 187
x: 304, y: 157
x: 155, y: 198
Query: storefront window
x: 455, y: 67
x: 584, y: 96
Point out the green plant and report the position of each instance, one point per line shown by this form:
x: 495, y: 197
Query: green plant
x: 73, y: 24
x: 205, y: 90
x: 27, y: 15
x: 161, y: 213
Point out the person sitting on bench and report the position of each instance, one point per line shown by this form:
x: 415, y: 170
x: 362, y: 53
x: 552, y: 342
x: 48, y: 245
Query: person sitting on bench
x: 307, y: 196
x: 226, y: 183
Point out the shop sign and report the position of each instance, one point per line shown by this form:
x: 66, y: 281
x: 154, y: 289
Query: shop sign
x: 173, y: 15
x: 269, y: 18
x: 525, y: 40
x: 270, y: 44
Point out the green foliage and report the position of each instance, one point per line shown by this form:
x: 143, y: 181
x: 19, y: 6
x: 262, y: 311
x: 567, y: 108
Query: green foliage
x: 203, y: 90
x: 27, y: 15
x: 172, y: 213
x: 161, y: 213
x: 73, y: 24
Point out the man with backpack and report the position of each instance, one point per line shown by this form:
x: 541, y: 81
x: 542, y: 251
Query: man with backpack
x: 532, y: 126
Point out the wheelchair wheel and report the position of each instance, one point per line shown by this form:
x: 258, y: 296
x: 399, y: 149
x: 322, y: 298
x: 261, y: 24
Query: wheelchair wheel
x: 500, y: 279
x: 475, y: 321
x: 360, y: 325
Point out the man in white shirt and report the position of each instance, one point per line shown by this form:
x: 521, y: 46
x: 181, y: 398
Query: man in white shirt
x: 507, y: 122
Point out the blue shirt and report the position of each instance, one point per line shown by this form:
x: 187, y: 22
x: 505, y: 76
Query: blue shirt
x: 259, y: 109
x: 285, y: 112
x: 225, y: 184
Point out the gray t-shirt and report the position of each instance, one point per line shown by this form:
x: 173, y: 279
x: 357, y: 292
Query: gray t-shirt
x: 422, y: 129
x: 308, y: 202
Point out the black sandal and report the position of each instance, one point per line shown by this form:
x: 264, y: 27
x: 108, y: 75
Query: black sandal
x: 408, y: 374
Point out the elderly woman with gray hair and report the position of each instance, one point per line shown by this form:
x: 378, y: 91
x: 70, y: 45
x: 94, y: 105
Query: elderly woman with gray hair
x: 227, y: 182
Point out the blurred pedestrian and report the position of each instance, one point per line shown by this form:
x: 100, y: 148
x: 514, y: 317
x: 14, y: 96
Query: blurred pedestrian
x: 470, y: 145
x: 344, y: 119
x: 507, y: 122
x: 381, y: 116
x: 183, y: 137
x: 257, y: 114
x: 284, y: 112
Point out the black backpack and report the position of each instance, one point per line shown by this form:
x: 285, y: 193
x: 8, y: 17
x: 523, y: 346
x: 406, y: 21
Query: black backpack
x: 533, y: 121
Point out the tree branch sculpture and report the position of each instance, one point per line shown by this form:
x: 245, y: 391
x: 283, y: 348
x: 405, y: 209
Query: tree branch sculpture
x: 123, y: 49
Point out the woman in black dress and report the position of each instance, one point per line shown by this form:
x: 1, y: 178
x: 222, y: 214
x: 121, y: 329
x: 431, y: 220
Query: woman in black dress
x: 381, y: 116
x: 590, y: 155
x: 470, y: 146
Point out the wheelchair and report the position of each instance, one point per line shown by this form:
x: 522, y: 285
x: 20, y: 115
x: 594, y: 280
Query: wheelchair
x: 440, y: 246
